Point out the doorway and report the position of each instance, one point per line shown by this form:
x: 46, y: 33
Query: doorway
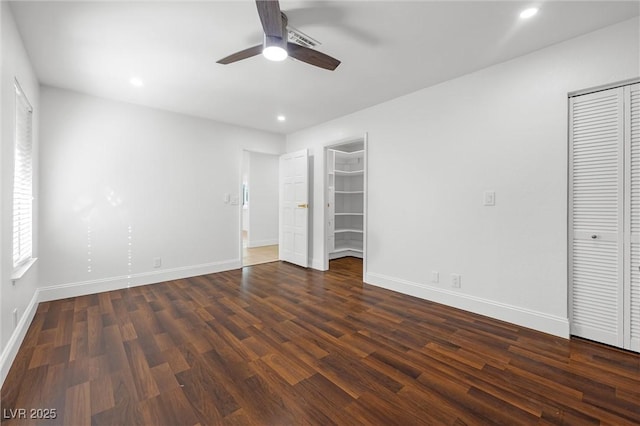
x: 604, y: 215
x: 260, y: 227
x: 346, y: 204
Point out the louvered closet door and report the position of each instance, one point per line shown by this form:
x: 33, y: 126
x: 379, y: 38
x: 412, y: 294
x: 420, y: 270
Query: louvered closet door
x: 596, y: 216
x: 632, y: 296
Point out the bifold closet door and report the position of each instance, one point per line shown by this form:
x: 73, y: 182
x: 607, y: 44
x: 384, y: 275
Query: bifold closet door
x: 596, y: 205
x: 632, y: 296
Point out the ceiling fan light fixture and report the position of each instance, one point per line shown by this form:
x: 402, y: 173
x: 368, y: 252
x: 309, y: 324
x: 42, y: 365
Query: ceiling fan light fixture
x: 274, y: 49
x: 275, y: 53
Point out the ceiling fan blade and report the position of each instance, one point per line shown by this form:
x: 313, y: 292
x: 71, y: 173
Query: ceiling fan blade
x: 243, y: 54
x: 271, y: 17
x: 312, y: 57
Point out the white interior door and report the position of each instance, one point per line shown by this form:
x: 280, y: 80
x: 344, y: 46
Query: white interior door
x: 294, y: 208
x: 596, y: 227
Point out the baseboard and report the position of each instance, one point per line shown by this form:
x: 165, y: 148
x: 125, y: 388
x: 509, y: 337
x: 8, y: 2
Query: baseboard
x: 262, y: 243
x: 347, y: 253
x: 63, y: 291
x: 551, y: 324
x: 317, y: 264
x: 13, y: 345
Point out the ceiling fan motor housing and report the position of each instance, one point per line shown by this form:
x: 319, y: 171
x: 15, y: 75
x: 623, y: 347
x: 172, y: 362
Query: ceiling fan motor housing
x: 273, y: 41
x: 273, y: 47
x: 270, y: 41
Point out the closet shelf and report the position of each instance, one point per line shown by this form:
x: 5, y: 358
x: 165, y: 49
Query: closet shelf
x: 349, y: 214
x: 347, y: 154
x: 349, y: 245
x: 359, y: 231
x: 349, y: 192
x: 349, y: 173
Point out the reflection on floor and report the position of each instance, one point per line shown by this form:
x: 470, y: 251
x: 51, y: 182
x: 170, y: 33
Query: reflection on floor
x: 256, y: 255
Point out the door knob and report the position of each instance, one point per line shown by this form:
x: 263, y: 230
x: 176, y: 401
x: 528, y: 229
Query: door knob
x: 594, y: 236
x: 303, y: 206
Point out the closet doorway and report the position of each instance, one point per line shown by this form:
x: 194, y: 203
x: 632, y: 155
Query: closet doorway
x: 604, y: 215
x: 260, y: 227
x: 346, y: 202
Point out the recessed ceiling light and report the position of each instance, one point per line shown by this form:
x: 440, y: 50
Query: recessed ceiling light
x: 528, y: 13
x: 135, y: 81
x: 281, y: 118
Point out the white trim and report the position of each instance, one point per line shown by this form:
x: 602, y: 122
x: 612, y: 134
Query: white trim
x: 63, y: 291
x: 22, y: 269
x: 318, y: 264
x: 365, y: 207
x: 570, y: 203
x: 241, y: 211
x: 603, y: 87
x: 625, y: 216
x: 262, y: 243
x: 13, y: 345
x: 551, y: 324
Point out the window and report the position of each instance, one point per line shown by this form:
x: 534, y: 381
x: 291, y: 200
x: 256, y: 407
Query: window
x: 22, y: 182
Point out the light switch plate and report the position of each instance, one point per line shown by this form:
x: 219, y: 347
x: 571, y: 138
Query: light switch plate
x: 489, y: 198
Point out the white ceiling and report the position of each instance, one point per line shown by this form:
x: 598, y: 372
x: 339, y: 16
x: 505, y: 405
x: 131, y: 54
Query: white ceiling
x: 387, y: 49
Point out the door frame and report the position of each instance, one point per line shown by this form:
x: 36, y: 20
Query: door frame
x: 325, y: 199
x: 241, y: 199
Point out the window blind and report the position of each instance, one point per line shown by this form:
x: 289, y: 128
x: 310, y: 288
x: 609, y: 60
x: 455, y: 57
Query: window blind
x: 22, y: 181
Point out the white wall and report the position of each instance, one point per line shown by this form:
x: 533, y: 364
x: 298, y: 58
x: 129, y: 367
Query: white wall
x: 433, y: 153
x: 263, y: 199
x: 111, y: 170
x: 15, y: 65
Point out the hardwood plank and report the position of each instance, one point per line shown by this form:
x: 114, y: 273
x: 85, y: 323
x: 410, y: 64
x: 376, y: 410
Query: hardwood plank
x: 77, y: 408
x: 101, y: 395
x: 143, y: 379
x: 207, y: 396
x: 95, y: 344
x: 127, y: 408
x: 290, y: 371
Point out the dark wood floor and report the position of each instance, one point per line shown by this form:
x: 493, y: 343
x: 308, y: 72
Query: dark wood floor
x: 275, y: 344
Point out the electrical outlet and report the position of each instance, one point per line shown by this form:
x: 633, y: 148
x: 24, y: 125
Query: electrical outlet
x: 456, y: 280
x: 157, y: 262
x: 435, y: 277
x: 15, y: 318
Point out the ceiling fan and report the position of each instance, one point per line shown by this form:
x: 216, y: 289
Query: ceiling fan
x: 276, y: 46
